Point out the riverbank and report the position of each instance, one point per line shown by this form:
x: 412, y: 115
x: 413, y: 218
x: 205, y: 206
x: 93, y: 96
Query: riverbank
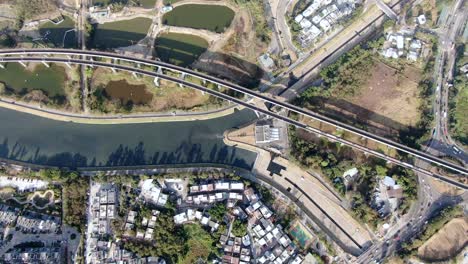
x: 117, y: 119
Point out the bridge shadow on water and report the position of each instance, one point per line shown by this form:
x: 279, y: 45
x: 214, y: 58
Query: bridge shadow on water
x: 123, y: 156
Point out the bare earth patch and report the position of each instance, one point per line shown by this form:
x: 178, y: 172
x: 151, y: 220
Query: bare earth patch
x: 391, y: 95
x: 447, y: 242
x: 388, y: 102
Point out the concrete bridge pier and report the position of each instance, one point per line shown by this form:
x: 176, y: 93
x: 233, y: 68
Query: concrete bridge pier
x: 159, y: 71
x: 135, y: 75
x: 182, y: 75
x: 22, y: 63
x: 2, y: 66
x: 68, y: 65
x: 45, y: 64
x: 113, y: 70
x: 156, y: 81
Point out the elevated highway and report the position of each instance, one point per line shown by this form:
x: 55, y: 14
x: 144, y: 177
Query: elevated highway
x: 307, y: 113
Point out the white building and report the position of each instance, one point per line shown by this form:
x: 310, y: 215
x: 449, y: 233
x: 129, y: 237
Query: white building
x: 151, y: 193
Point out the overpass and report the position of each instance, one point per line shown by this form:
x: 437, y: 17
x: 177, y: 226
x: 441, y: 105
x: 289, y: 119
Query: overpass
x: 307, y: 113
x: 386, y: 9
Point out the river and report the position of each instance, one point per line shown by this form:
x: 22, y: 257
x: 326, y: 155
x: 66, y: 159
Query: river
x: 37, y: 140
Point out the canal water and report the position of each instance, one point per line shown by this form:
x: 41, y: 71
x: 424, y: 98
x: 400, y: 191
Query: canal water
x: 37, y: 140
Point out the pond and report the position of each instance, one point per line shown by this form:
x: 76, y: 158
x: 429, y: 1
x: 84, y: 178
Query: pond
x: 211, y: 17
x: 179, y: 49
x: 126, y: 92
x: 57, y: 35
x: 21, y: 80
x: 37, y: 140
x: 120, y: 33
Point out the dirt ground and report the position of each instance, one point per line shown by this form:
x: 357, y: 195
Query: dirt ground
x: 447, y: 242
x: 388, y: 102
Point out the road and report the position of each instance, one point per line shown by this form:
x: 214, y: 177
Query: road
x: 430, y: 201
x: 442, y: 143
x: 288, y: 120
x: 265, y: 98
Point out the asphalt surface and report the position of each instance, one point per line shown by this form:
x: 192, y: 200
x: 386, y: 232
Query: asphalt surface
x: 415, y: 153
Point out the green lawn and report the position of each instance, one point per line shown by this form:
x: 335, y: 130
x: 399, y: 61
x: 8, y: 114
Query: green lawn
x: 54, y: 34
x: 180, y: 49
x: 21, y: 81
x: 121, y: 33
x: 211, y: 17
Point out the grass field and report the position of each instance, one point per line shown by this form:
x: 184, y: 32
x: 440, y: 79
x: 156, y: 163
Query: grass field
x: 55, y: 34
x: 120, y: 33
x: 211, y: 17
x: 180, y: 49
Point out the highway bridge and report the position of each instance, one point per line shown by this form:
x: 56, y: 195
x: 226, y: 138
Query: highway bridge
x: 28, y: 56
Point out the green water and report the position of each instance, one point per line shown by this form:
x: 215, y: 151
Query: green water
x: 55, y: 33
x: 179, y: 49
x: 37, y: 140
x: 21, y: 81
x: 120, y: 33
x: 211, y: 17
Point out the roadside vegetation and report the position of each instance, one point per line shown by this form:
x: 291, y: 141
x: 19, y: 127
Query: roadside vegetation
x: 433, y: 225
x: 118, y: 5
x: 458, y: 100
x: 333, y: 159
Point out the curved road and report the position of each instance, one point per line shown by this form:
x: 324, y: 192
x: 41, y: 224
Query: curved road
x: 389, y: 143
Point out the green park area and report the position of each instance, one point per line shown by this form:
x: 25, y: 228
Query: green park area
x: 120, y: 33
x: 179, y: 49
x: 60, y: 34
x: 211, y: 17
x: 20, y: 80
